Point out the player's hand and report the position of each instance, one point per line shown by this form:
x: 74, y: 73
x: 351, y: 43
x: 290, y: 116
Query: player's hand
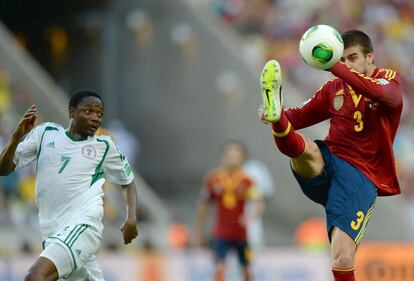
x: 129, y: 230
x: 260, y: 114
x: 26, y: 124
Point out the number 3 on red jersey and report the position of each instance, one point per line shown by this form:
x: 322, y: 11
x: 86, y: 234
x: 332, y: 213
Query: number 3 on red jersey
x: 359, y: 123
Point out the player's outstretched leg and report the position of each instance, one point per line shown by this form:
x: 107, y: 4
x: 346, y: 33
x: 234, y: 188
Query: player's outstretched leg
x: 287, y: 140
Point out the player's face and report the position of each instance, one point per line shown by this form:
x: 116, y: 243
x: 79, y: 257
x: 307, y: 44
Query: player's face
x: 354, y: 58
x: 87, y: 116
x: 233, y: 156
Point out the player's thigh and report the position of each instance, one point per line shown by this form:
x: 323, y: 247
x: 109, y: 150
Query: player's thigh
x: 221, y: 248
x: 310, y: 163
x: 351, y: 200
x: 314, y: 173
x: 43, y: 269
x: 59, y: 257
x: 343, y: 249
x: 90, y: 271
x: 243, y: 253
x: 71, y: 248
x: 94, y: 272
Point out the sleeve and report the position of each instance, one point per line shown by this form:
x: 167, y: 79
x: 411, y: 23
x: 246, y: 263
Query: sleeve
x: 253, y: 191
x: 116, y: 167
x: 27, y: 150
x: 385, y: 91
x: 260, y: 173
x: 313, y: 111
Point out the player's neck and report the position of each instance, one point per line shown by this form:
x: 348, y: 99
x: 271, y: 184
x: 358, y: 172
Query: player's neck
x: 231, y: 170
x: 370, y: 70
x: 73, y: 134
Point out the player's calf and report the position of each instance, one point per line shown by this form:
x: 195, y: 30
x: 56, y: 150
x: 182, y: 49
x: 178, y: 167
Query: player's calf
x: 343, y: 274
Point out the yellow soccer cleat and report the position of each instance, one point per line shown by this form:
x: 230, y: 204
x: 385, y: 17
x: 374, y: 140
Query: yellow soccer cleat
x: 271, y: 86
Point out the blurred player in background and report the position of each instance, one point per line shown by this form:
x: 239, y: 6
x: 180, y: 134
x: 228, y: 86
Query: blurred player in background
x: 71, y: 165
x: 344, y: 172
x: 262, y: 177
x: 229, y: 187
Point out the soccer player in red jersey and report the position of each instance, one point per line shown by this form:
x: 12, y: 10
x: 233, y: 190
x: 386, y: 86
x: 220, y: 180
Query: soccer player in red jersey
x: 355, y: 163
x: 228, y: 187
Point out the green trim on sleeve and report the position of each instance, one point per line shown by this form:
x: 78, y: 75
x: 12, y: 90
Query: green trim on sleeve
x: 99, y: 173
x: 47, y: 128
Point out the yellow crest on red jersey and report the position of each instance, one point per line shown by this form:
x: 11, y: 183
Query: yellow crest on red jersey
x: 338, y: 100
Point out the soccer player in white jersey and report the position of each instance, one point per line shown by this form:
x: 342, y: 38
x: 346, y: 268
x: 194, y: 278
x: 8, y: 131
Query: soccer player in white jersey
x: 71, y: 167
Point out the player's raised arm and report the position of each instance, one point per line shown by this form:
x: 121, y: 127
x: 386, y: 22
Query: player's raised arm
x: 385, y: 90
x: 312, y: 111
x: 25, y: 125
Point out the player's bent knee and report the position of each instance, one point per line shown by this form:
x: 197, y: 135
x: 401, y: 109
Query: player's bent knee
x: 312, y: 150
x: 343, y: 260
x: 34, y: 275
x: 310, y: 163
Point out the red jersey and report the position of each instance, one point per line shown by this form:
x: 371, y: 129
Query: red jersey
x: 229, y: 192
x: 364, y: 115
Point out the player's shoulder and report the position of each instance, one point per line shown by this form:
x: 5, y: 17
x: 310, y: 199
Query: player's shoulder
x: 213, y: 173
x: 333, y: 81
x: 104, y: 137
x: 49, y: 126
x: 106, y: 141
x: 332, y: 84
x: 387, y: 74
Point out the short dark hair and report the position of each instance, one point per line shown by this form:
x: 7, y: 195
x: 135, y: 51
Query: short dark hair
x: 79, y: 95
x: 355, y: 37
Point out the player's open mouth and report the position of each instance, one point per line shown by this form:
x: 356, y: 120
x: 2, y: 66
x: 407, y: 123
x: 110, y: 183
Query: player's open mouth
x: 92, y: 128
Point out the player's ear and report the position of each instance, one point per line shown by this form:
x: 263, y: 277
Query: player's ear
x: 370, y: 58
x: 71, y: 112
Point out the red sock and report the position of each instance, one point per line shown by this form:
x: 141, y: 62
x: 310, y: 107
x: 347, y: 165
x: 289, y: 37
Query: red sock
x: 343, y: 274
x: 219, y: 276
x: 287, y: 140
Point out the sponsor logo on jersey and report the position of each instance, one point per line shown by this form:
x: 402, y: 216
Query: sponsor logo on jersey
x: 383, y: 81
x: 88, y: 151
x: 304, y: 103
x: 127, y: 169
x: 338, y: 102
x: 51, y: 144
x: 373, y: 106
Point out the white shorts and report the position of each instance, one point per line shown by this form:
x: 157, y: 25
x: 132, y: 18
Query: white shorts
x: 72, y: 249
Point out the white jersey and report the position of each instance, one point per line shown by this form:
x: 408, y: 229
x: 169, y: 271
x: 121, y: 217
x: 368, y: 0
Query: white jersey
x: 70, y: 174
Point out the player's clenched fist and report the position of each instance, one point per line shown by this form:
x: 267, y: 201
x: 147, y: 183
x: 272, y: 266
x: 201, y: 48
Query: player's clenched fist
x: 129, y: 230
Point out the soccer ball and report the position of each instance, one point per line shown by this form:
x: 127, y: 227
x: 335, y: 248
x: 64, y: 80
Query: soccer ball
x: 321, y: 46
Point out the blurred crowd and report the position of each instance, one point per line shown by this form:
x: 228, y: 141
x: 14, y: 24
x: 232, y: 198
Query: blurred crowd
x: 272, y: 29
x: 17, y: 195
